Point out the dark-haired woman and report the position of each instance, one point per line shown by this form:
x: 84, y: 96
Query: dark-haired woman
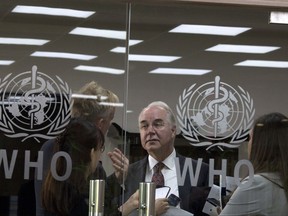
x: 83, y: 141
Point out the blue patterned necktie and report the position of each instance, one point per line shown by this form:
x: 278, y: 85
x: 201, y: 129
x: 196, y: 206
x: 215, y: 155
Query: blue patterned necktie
x: 158, y: 177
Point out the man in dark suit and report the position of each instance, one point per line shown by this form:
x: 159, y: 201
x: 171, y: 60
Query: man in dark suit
x: 157, y: 127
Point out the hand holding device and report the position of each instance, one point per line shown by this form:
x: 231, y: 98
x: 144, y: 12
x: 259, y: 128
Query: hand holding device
x: 173, y: 200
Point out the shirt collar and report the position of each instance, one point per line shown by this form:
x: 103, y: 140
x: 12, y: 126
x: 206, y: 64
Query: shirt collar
x: 169, y: 161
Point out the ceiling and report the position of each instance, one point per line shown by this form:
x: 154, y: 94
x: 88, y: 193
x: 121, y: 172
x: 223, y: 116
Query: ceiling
x: 150, y: 23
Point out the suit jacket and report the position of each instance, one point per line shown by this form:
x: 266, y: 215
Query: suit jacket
x: 136, y: 174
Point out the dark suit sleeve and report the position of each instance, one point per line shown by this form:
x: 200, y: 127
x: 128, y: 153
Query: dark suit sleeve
x: 100, y: 172
x: 203, y: 180
x: 191, y: 200
x: 113, y: 191
x: 199, y: 194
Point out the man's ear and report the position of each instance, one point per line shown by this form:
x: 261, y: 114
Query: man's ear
x: 174, y: 130
x: 100, y: 123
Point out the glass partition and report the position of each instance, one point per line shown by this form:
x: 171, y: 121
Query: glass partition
x: 49, y: 50
x: 218, y: 68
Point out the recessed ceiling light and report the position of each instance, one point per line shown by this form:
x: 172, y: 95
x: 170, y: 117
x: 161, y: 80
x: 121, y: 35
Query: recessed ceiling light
x: 152, y: 58
x: 23, y: 41
x: 97, y: 97
x: 133, y: 42
x: 118, y: 50
x: 99, y: 69
x: 112, y: 104
x: 123, y: 49
x: 209, y: 29
x: 6, y: 62
x: 92, y: 32
x: 145, y: 58
x: 63, y: 55
x: 262, y: 63
x: 242, y: 48
x: 94, y: 97
x: 52, y: 11
x: 180, y: 71
x: 18, y: 99
x: 279, y: 17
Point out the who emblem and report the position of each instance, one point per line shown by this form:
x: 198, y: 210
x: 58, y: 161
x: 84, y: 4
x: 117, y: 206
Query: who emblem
x: 215, y: 114
x: 33, y: 105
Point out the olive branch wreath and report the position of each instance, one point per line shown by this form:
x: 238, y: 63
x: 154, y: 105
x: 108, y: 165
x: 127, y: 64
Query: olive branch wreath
x: 189, y: 133
x: 56, y: 128
x: 5, y: 125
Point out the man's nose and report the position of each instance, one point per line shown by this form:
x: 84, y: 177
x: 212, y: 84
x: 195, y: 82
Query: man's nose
x: 151, y: 129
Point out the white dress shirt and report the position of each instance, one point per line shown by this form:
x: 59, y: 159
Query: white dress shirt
x: 169, y: 172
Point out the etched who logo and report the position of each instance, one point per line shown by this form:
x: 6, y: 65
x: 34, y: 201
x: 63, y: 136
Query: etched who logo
x: 215, y: 114
x: 33, y: 105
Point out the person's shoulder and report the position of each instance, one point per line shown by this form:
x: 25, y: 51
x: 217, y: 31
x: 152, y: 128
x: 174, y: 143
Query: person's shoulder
x: 257, y: 178
x: 194, y: 161
x: 184, y: 157
x: 257, y: 181
x: 137, y: 164
x: 268, y: 178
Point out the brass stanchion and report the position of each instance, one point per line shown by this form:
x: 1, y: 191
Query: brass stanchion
x: 96, y: 197
x: 147, y: 199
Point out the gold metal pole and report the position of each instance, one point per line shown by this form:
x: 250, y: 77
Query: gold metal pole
x: 96, y: 197
x: 147, y: 199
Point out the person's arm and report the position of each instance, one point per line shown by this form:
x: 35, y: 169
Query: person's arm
x: 236, y: 205
x: 131, y: 204
x: 245, y: 200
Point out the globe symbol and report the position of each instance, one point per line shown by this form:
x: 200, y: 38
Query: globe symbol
x: 216, y: 110
x: 32, y: 101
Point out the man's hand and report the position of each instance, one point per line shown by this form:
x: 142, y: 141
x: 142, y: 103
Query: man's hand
x: 161, y: 206
x: 120, y: 163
